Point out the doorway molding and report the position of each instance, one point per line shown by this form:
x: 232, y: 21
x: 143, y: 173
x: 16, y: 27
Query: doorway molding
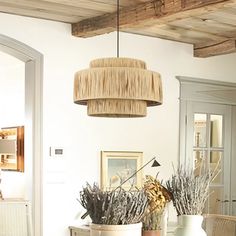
x: 33, y: 121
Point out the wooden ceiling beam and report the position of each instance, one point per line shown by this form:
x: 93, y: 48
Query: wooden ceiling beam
x: 161, y: 11
x: 215, y: 49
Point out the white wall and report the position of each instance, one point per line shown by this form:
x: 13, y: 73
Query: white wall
x: 12, y: 73
x: 12, y: 107
x: 66, y: 124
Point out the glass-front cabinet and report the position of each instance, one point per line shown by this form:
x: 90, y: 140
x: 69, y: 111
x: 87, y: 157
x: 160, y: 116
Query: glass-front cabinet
x: 208, y: 137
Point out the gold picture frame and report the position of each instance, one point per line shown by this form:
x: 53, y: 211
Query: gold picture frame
x: 117, y: 166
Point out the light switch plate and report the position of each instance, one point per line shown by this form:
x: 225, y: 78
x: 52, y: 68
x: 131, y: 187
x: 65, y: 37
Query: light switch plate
x: 56, y: 151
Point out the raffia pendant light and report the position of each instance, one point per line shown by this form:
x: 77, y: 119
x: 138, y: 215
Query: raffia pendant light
x: 117, y: 87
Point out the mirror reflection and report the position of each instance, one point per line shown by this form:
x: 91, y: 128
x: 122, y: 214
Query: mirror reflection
x: 216, y: 130
x: 12, y: 148
x: 200, y: 130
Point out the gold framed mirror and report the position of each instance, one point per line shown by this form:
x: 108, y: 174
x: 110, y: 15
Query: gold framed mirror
x: 12, y: 148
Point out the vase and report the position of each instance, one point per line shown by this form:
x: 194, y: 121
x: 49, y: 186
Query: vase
x: 190, y: 225
x: 116, y: 230
x: 151, y: 233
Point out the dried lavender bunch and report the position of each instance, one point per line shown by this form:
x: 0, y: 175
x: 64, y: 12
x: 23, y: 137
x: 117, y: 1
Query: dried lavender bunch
x: 113, y: 207
x: 190, y: 191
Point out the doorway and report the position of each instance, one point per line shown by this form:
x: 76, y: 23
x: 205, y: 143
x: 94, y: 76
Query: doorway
x: 207, y: 135
x: 33, y: 121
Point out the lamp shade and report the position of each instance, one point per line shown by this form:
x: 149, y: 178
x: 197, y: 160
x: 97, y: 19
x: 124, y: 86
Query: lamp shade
x: 7, y: 146
x: 155, y: 164
x: 117, y: 87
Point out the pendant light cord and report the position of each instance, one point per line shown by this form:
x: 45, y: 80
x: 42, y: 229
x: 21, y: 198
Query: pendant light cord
x: 118, y: 29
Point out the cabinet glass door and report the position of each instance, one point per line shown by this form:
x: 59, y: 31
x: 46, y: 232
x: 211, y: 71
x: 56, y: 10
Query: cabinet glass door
x: 208, y: 143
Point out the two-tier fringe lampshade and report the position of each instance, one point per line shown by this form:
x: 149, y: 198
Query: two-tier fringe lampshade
x: 117, y: 87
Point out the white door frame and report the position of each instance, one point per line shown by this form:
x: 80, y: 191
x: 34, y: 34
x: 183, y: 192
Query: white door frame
x: 33, y: 121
